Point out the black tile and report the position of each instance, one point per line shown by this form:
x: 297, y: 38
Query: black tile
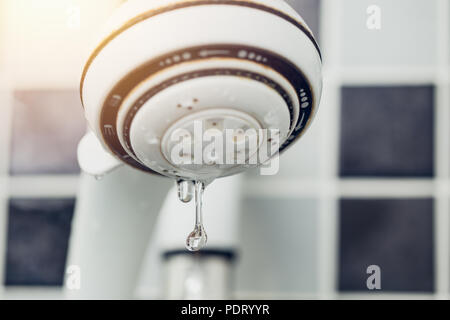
x: 396, y: 235
x: 310, y: 12
x: 47, y: 126
x: 387, y: 131
x: 38, y: 235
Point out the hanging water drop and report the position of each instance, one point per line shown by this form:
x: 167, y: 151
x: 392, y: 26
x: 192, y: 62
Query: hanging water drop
x: 197, y: 238
x: 99, y: 177
x: 185, y: 190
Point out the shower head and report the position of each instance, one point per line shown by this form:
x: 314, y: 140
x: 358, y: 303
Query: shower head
x: 165, y: 70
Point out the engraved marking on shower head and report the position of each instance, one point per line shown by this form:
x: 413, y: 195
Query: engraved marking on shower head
x: 109, y: 130
x: 207, y: 53
x: 115, y: 101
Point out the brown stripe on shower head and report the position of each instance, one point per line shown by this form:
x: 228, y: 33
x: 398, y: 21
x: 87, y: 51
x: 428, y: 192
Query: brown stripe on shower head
x: 185, y: 4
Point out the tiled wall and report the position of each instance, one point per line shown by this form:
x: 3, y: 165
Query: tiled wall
x: 47, y: 125
x: 41, y: 53
x: 367, y: 185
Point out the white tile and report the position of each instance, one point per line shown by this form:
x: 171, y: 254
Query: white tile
x: 300, y: 160
x: 408, y: 34
x: 279, y: 247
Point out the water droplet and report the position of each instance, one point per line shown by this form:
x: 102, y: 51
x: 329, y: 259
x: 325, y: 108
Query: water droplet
x: 185, y: 190
x: 197, y: 238
x: 99, y: 177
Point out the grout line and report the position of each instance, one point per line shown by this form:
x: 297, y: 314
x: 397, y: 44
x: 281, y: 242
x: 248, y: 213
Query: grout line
x: 443, y: 32
x: 329, y: 213
x: 441, y: 242
x: 44, y: 186
x: 387, y: 296
x: 441, y: 218
x: 5, y: 140
x: 442, y: 155
x: 282, y: 188
x: 387, y: 188
x: 387, y: 76
x: 330, y: 31
x: 33, y: 293
x: 328, y: 119
x: 348, y: 188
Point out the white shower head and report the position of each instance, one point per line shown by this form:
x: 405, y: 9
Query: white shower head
x: 164, y: 66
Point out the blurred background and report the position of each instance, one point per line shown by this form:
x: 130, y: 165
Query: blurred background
x: 367, y: 185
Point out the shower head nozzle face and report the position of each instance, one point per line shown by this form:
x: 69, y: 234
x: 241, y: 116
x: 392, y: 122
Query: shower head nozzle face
x: 193, y: 113
x: 208, y: 144
x: 203, y: 84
